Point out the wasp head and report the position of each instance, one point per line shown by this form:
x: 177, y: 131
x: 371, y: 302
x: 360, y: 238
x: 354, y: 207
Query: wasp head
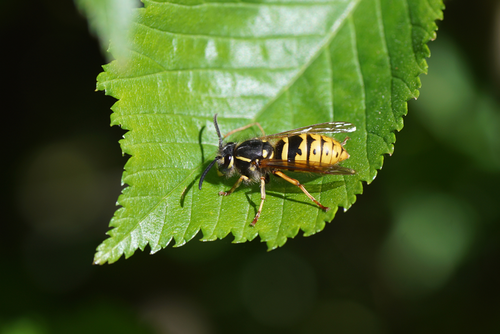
x: 224, y: 159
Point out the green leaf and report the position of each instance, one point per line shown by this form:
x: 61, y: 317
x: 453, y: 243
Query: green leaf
x: 285, y: 64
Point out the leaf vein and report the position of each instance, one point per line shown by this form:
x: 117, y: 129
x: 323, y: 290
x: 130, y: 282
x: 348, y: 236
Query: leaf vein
x: 403, y: 81
x: 410, y: 18
x: 436, y: 14
x: 147, y: 143
x: 148, y: 57
x: 247, y: 4
x: 331, y: 91
x: 233, y: 37
x: 201, y: 69
x: 151, y: 170
x: 383, y: 36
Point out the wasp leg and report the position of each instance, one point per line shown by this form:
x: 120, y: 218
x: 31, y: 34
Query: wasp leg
x: 244, y: 128
x: 345, y: 141
x: 297, y: 183
x: 262, y: 199
x: 236, y: 185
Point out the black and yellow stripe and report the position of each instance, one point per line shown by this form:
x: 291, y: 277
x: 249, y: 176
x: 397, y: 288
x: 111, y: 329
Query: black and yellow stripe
x: 310, y: 147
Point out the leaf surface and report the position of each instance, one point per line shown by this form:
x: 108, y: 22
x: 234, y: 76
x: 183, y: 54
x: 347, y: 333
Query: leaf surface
x: 284, y: 64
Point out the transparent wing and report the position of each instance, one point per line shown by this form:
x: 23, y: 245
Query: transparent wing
x: 331, y: 127
x: 309, y: 167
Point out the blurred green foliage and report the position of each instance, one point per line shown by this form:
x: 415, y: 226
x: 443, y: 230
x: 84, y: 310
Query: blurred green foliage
x: 419, y: 252
x: 108, y: 20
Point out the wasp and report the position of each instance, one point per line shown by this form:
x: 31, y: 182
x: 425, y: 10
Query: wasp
x: 300, y: 150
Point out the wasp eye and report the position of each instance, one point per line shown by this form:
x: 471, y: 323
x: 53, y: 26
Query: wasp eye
x: 225, y: 164
x: 228, y: 161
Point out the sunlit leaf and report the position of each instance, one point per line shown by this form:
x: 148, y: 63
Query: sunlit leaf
x: 285, y: 64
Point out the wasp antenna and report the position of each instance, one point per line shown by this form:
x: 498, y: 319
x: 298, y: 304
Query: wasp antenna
x: 205, y: 173
x: 218, y: 132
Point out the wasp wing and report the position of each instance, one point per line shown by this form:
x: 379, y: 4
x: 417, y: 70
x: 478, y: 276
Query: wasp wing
x: 330, y: 127
x: 309, y: 167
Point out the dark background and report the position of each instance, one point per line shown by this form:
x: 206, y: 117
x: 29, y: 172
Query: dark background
x: 418, y: 253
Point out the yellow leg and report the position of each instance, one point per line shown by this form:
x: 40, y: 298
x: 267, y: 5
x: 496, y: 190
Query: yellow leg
x: 244, y: 128
x: 262, y: 199
x: 297, y: 183
x: 236, y: 185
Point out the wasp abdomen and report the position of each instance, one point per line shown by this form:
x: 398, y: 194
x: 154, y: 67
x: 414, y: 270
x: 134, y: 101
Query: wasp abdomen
x: 310, y: 147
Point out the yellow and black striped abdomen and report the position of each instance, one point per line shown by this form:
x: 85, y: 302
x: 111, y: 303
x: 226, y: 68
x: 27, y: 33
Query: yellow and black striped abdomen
x: 310, y: 147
